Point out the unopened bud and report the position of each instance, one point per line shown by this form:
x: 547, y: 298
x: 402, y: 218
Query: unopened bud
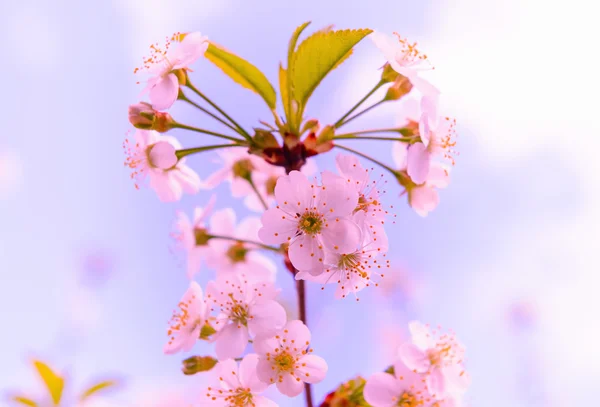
x: 399, y: 88
x: 264, y: 139
x: 389, y: 74
x: 310, y: 125
x: 162, y: 155
x: 143, y: 116
x: 197, y: 364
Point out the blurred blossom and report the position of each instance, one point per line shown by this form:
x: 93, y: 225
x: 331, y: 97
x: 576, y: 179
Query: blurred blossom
x: 522, y: 315
x: 97, y: 267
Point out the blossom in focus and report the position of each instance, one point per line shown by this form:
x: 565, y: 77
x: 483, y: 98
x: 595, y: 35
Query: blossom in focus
x: 244, y: 309
x: 152, y: 155
x: 163, y: 85
x: 231, y: 256
x: 193, y: 236
x: 187, y: 321
x: 287, y: 360
x: 312, y: 219
x: 405, y: 59
x: 404, y: 388
x: 238, y: 386
x: 423, y: 198
x: 438, y: 355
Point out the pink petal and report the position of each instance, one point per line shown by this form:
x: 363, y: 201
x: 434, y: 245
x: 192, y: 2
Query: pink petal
x: 278, y: 227
x: 227, y: 371
x: 423, y: 199
x: 187, y: 178
x: 350, y: 168
x: 399, y: 154
x: 222, y: 223
x: 193, y: 46
x: 194, y: 261
x: 166, y: 187
x: 297, y: 331
x: 258, y: 268
x: 382, y: 390
x: 410, y: 110
x: 265, y: 371
x: 294, y: 192
x: 341, y: 235
x: 305, y: 253
x: 457, y: 379
x: 216, y: 178
x: 247, y: 374
x: 268, y: 317
x: 164, y: 92
x: 312, y: 369
x: 231, y: 341
x: 414, y: 358
x: 419, y: 161
x: 162, y: 155
x: 248, y: 228
x: 290, y: 386
x: 424, y: 86
x: 337, y: 197
x: 436, y: 383
x: 439, y: 176
x: 421, y: 335
x: 261, y: 401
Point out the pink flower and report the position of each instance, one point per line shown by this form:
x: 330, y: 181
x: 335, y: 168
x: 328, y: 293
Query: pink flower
x: 152, y: 155
x: 231, y: 256
x: 237, y: 167
x: 193, y: 236
x: 405, y: 59
x: 440, y: 356
x: 423, y: 198
x: 238, y: 386
x: 286, y: 359
x: 311, y: 219
x: 186, y: 323
x: 404, y: 388
x: 245, y: 309
x: 163, y: 86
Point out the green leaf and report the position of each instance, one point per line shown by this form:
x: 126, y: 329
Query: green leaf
x: 284, y: 91
x: 98, y: 387
x: 242, y: 72
x: 54, y: 382
x: 24, y: 401
x: 287, y: 101
x: 318, y: 55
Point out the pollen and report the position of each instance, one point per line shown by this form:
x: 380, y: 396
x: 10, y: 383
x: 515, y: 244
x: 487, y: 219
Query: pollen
x: 311, y: 223
x: 158, y: 53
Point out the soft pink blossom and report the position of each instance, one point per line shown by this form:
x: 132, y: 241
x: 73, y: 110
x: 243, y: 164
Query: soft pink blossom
x: 439, y: 356
x: 235, y: 164
x: 312, y: 219
x: 152, y: 155
x: 287, y: 360
x: 404, y: 388
x: 245, y: 309
x: 163, y: 85
x: 187, y: 321
x: 231, y: 256
x: 238, y: 386
x: 192, y: 236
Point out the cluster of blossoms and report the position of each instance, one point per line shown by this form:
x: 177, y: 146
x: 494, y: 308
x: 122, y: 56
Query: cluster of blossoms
x: 328, y: 228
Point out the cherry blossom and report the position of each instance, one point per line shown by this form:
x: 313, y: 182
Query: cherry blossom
x: 404, y: 388
x: 311, y: 219
x: 163, y: 86
x: 238, y: 386
x: 244, y: 309
x: 152, y: 155
x: 231, y: 256
x: 237, y: 167
x: 193, y: 236
x: 186, y: 323
x: 406, y: 59
x: 438, y: 355
x: 287, y: 360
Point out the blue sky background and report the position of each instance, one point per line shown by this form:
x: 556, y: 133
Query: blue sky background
x: 516, y: 225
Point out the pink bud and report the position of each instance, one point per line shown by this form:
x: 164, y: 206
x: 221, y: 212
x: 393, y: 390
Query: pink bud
x: 162, y: 155
x: 141, y: 115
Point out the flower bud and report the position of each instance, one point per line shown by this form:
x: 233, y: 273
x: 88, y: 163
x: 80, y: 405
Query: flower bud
x: 196, y: 364
x: 162, y: 155
x: 399, y: 88
x: 389, y: 74
x: 349, y: 394
x: 310, y: 126
x: 142, y: 115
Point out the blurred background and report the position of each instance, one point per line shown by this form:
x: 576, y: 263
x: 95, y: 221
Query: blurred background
x: 509, y: 260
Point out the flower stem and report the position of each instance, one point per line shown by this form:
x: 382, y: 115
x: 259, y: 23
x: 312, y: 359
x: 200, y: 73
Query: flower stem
x: 373, y: 106
x: 373, y: 160
x: 360, y: 102
x: 212, y: 133
x: 210, y: 102
x: 258, y: 194
x: 187, y: 151
x: 353, y: 137
x: 301, y: 290
x: 235, y: 239
x: 214, y: 116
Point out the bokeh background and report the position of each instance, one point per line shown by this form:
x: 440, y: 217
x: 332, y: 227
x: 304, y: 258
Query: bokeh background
x: 509, y: 260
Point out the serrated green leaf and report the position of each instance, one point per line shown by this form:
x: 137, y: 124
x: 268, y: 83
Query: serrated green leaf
x: 242, y: 72
x: 24, y: 401
x: 98, y: 387
x: 54, y: 383
x: 291, y: 118
x: 318, y: 55
x: 283, y: 88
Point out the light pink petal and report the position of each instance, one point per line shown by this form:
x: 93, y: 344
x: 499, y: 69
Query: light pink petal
x: 216, y: 178
x: 429, y: 107
x: 436, y: 383
x: 268, y: 317
x: 294, y: 192
x: 385, y: 43
x: 399, y: 154
x: 164, y: 92
x: 222, y: 223
x: 290, y: 386
x: 247, y: 374
x: 162, y: 155
x: 297, y: 331
x: 227, y: 371
x: 414, y: 358
x: 439, y: 175
x: 194, y: 261
x: 166, y: 187
x: 262, y: 401
x: 424, y: 86
x: 278, y: 227
x: 350, y: 169
x: 312, y: 369
x: 457, y: 379
x: 410, y: 110
x: 187, y: 178
x: 193, y: 46
x: 201, y: 214
x: 259, y: 268
x: 305, y: 253
x: 382, y: 390
x: 265, y: 371
x: 248, y: 228
x: 264, y: 344
x: 145, y: 137
x: 183, y: 341
x: 376, y: 238
x: 231, y: 341
x: 421, y: 335
x: 336, y: 197
x: 341, y: 235
x: 419, y: 161
x: 320, y: 276
x: 423, y: 199
x: 425, y: 131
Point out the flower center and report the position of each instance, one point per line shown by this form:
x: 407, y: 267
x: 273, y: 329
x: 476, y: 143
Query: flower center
x: 242, y: 168
x: 409, y: 55
x: 241, y: 398
x: 284, y: 361
x: 182, y: 320
x: 202, y: 237
x: 239, y: 314
x: 237, y: 253
x: 158, y: 54
x: 363, y: 203
x: 310, y: 223
x: 408, y: 399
